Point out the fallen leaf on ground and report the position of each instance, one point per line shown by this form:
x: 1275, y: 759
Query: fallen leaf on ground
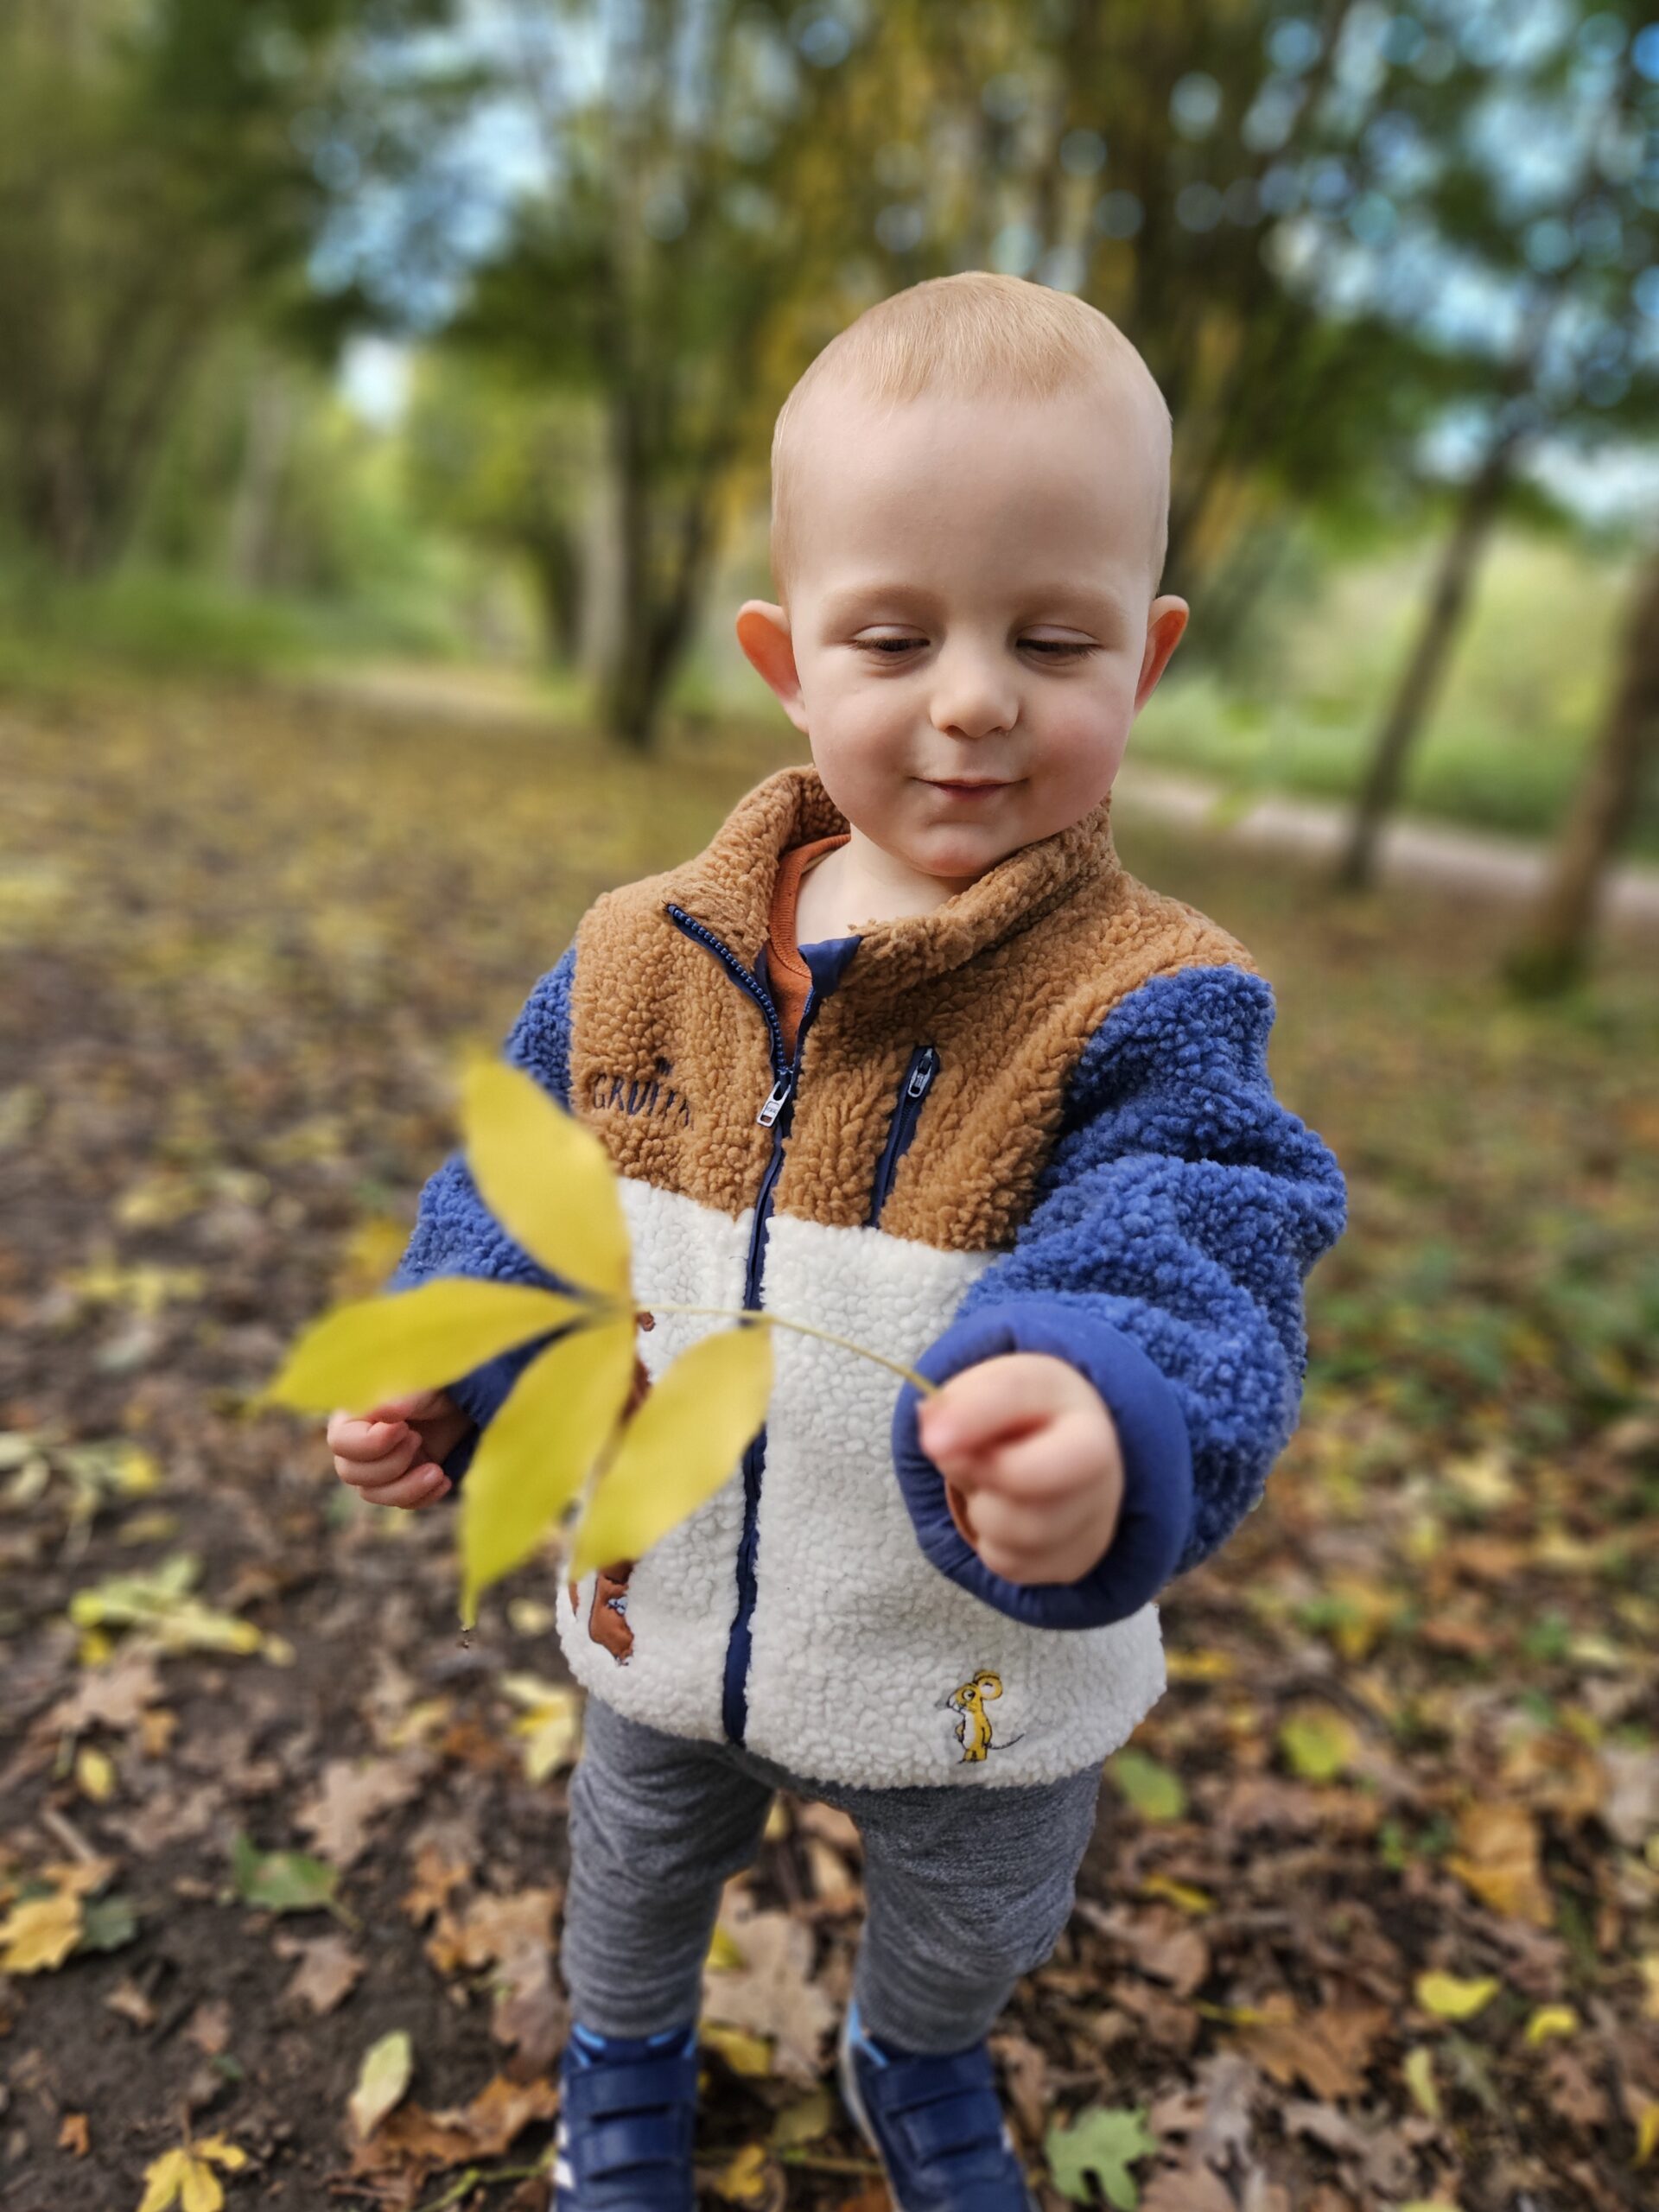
x: 382, y: 2078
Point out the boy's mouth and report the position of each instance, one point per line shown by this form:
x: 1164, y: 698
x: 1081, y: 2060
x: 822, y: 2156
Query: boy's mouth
x: 967, y: 786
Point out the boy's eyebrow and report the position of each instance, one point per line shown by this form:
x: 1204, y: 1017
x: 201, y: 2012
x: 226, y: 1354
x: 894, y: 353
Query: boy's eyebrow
x: 1067, y: 594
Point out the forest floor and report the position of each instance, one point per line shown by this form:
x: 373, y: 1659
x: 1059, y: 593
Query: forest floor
x: 1372, y: 1919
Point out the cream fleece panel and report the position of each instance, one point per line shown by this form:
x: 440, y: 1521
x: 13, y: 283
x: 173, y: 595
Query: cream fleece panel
x: 859, y: 1645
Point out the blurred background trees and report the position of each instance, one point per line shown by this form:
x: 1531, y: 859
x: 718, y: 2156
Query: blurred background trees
x: 460, y: 324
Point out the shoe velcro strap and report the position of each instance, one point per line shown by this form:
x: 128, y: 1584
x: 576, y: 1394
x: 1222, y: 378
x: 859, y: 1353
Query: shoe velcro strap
x: 913, y: 2082
x: 951, y: 2123
x: 987, y: 2195
x: 648, y: 2139
x: 641, y: 2085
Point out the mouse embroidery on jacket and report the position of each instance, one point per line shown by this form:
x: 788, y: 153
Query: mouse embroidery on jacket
x: 973, y: 1722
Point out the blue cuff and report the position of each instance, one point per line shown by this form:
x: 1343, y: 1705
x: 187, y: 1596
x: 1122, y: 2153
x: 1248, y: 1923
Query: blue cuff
x: 1157, y: 1464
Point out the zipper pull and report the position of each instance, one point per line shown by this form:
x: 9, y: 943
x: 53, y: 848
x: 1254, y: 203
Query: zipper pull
x: 917, y: 1087
x: 775, y: 1098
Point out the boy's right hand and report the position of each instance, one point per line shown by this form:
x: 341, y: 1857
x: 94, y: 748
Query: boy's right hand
x: 391, y: 1454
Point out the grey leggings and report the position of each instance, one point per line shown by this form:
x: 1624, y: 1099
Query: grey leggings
x: 965, y: 1889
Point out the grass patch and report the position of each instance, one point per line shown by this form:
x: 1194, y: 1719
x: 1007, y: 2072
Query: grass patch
x: 1504, y: 743
x: 58, y: 637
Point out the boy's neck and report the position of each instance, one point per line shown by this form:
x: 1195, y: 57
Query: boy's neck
x: 858, y: 883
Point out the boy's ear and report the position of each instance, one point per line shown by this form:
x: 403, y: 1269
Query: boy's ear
x: 1165, y: 620
x: 763, y: 633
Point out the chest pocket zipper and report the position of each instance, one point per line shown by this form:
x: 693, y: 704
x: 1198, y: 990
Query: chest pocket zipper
x: 917, y: 1081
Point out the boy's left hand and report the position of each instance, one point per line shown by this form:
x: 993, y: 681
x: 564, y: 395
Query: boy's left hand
x: 1031, y: 1459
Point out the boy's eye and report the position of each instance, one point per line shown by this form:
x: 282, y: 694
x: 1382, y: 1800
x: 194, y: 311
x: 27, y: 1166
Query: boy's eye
x: 1049, y: 648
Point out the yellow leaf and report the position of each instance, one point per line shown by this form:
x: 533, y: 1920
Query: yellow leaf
x: 1419, y: 2070
x: 1649, y: 1964
x: 409, y: 1340
x: 94, y: 1774
x: 163, y: 2179
x: 742, y: 2052
x: 1449, y: 1998
x: 185, y: 2175
x: 680, y: 1447
x: 1201, y: 1664
x: 1481, y: 1477
x: 1319, y: 1744
x: 222, y: 2151
x: 724, y: 1954
x: 1647, y: 2131
x: 537, y: 1453
x: 200, y: 2191
x: 39, y: 1936
x: 1551, y: 2020
x: 747, y: 2179
x: 1184, y: 1894
x: 135, y: 1471
x: 551, y: 1723
x: 547, y: 1179
x: 807, y: 2121
x: 381, y: 2081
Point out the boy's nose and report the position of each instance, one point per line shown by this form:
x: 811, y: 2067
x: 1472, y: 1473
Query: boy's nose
x: 972, y: 696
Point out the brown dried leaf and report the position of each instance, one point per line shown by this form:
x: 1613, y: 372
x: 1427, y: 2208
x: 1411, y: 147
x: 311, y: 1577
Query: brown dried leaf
x: 772, y: 1993
x: 1327, y: 2050
x: 328, y: 1970
x: 350, y: 1796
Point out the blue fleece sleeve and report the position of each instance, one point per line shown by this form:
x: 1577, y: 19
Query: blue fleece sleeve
x: 454, y: 1232
x: 1164, y: 1255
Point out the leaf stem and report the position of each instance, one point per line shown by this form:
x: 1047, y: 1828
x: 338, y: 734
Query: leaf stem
x: 802, y: 1328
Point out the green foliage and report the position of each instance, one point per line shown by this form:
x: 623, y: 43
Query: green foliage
x: 1155, y: 1791
x: 1100, y: 2145
x: 282, y: 1881
x: 147, y: 622
x: 154, y: 187
x: 1508, y: 740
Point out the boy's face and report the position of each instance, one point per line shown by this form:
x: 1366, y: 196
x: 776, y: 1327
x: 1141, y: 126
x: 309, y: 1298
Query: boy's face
x: 971, y: 628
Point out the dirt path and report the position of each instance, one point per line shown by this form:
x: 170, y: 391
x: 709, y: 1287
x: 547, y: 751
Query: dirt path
x: 1414, y: 853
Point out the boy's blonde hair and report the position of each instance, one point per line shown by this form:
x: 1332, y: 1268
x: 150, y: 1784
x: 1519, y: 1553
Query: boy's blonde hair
x: 974, y: 335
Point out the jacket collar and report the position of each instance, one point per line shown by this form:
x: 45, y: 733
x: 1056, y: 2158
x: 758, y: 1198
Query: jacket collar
x: 728, y: 886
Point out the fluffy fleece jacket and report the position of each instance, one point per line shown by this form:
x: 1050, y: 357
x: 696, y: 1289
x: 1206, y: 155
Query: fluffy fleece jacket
x: 1037, y: 1118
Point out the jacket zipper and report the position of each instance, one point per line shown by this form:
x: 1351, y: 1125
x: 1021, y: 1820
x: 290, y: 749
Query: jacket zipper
x: 919, y: 1076
x: 777, y: 1112
x: 740, y: 974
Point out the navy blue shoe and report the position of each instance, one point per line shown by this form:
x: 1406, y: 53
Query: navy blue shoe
x: 935, y: 2123
x: 627, y: 2117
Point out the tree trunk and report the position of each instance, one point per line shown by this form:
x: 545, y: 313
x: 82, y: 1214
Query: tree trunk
x: 1234, y: 593
x: 656, y: 624
x: 553, y: 555
x: 626, y: 704
x: 1482, y: 500
x: 1554, y: 951
x: 252, y: 532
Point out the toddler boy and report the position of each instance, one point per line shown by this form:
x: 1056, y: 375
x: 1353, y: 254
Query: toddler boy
x: 906, y: 1054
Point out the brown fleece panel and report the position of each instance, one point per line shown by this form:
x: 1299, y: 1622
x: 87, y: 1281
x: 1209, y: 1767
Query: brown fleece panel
x: 1008, y: 1005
